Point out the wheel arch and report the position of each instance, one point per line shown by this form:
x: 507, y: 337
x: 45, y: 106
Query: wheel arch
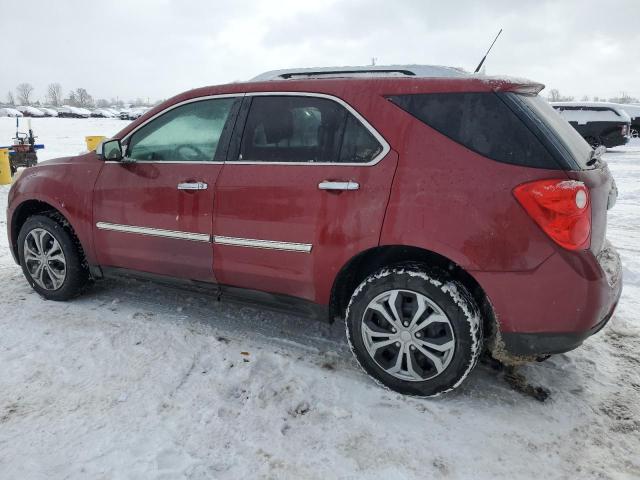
x: 32, y: 207
x: 367, y: 262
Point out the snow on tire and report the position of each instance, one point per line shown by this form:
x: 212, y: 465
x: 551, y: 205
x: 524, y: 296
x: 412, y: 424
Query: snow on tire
x: 414, y: 329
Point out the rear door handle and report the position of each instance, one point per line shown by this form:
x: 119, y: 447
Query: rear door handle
x: 192, y: 186
x: 327, y: 185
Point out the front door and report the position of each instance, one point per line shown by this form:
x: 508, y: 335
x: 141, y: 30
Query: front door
x: 153, y: 211
x: 305, y: 190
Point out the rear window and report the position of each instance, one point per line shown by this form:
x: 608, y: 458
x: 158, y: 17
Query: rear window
x: 572, y: 141
x: 481, y: 122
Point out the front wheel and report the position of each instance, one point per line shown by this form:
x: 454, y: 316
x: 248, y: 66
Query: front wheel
x: 414, y: 329
x: 51, y: 258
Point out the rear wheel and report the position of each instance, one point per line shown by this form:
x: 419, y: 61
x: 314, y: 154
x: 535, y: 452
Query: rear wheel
x: 51, y: 258
x: 414, y: 329
x: 635, y: 133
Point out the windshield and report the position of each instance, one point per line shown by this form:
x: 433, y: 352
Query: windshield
x: 567, y: 135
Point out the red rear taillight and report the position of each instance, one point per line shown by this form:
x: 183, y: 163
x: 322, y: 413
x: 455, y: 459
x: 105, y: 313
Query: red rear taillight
x: 562, y: 209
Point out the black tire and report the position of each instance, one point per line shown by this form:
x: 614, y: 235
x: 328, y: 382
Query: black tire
x: 594, y: 142
x: 452, y: 299
x: 76, y: 276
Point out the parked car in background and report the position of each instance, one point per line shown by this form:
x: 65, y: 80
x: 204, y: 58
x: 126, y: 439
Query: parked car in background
x: 29, y: 111
x: 634, y: 113
x: 67, y: 111
x: 49, y: 112
x: 101, y: 113
x: 132, y: 113
x: 435, y: 215
x: 599, y: 123
x: 137, y: 112
x: 10, y: 112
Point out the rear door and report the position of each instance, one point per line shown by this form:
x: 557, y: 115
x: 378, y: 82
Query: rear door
x: 153, y: 210
x: 304, y: 189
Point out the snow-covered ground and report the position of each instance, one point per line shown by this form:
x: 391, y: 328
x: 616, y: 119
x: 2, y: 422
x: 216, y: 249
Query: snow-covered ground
x: 138, y: 380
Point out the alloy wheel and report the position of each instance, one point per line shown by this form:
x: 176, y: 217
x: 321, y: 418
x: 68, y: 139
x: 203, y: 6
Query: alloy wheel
x: 408, y: 335
x: 44, y: 259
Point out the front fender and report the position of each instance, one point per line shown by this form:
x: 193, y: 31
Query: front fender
x: 65, y: 185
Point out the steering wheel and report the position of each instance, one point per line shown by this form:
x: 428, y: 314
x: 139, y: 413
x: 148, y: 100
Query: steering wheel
x: 191, y: 153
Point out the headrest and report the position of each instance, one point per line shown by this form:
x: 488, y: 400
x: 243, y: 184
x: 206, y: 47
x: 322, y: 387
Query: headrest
x: 278, y: 125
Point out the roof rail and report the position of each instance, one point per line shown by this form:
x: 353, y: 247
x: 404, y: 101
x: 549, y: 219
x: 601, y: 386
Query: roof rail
x: 413, y: 71
x: 324, y: 73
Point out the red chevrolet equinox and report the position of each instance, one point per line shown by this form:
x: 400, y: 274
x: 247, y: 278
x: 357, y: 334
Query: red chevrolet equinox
x: 439, y: 214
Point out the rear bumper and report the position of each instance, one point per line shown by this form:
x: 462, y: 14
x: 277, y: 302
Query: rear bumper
x: 555, y: 307
x: 527, y: 344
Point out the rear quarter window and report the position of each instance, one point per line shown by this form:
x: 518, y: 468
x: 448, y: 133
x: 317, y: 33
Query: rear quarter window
x: 481, y: 122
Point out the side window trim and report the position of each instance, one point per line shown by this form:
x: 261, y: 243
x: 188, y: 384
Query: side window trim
x: 234, y: 149
x: 224, y: 137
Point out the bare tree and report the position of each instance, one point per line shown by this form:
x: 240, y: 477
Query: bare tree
x: 80, y: 98
x: 54, y: 94
x: 556, y: 96
x: 585, y: 98
x: 11, y: 100
x: 83, y: 98
x: 24, y: 91
x: 102, y: 103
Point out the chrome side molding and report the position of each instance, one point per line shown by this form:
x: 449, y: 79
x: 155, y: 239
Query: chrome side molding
x: 267, y: 244
x: 203, y: 237
x: 154, y: 232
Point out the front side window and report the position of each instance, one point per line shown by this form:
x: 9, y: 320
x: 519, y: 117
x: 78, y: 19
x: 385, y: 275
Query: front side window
x: 305, y: 130
x: 189, y: 133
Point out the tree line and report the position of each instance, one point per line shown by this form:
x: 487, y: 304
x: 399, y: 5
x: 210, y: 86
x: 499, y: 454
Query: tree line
x: 80, y: 97
x: 554, y: 95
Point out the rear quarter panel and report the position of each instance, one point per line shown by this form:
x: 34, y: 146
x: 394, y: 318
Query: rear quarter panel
x: 447, y: 199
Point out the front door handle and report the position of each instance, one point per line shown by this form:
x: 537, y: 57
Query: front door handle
x: 192, y: 186
x: 327, y: 185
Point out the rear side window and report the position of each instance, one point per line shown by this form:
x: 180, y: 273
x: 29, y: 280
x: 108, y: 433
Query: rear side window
x: 481, y: 122
x: 305, y: 129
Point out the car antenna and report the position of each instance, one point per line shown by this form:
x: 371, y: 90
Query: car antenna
x: 485, y: 55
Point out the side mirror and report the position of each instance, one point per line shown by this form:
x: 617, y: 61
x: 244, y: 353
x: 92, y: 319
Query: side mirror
x: 110, y: 150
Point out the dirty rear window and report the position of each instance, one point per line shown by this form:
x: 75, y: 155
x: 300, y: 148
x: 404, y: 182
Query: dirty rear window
x: 481, y: 122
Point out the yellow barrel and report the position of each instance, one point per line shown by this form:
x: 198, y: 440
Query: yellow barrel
x: 93, y: 141
x: 5, y: 167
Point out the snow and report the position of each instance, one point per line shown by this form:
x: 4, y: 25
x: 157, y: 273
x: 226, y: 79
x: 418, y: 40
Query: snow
x: 32, y: 111
x: 632, y: 110
x: 140, y: 380
x: 10, y: 112
x: 591, y: 112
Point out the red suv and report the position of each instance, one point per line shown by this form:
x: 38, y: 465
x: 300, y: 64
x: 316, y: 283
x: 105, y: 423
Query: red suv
x: 439, y: 214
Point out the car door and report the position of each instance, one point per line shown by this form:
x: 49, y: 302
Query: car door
x: 304, y: 189
x: 152, y: 211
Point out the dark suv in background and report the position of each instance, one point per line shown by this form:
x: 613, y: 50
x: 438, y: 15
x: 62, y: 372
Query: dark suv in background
x: 437, y: 213
x: 599, y: 123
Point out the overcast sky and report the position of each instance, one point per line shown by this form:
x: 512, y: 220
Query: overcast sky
x: 145, y: 48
